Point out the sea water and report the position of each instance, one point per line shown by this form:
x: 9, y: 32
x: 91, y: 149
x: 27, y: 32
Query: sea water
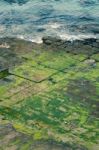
x: 34, y: 19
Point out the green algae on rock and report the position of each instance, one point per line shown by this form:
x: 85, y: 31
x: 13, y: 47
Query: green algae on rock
x: 50, y: 94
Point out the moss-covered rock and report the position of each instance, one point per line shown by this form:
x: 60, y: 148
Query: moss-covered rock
x: 51, y: 94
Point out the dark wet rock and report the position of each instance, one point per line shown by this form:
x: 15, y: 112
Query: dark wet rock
x: 51, y: 40
x: 97, y: 41
x: 93, y: 42
x: 87, y: 46
x: 4, y: 73
x: 56, y: 42
x: 89, y: 41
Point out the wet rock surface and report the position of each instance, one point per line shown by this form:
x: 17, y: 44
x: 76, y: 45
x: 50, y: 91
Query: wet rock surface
x: 90, y: 41
x: 49, y: 89
x: 86, y: 46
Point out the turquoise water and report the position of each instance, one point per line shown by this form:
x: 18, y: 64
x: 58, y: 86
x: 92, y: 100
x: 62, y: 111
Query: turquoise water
x: 33, y: 19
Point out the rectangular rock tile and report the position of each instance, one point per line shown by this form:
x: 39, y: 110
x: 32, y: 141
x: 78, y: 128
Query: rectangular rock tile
x: 95, y: 57
x: 88, y: 71
x: 58, y: 77
x: 32, y: 55
x: 11, y: 85
x: 12, y: 94
x: 36, y: 74
x: 55, y: 60
x: 61, y: 62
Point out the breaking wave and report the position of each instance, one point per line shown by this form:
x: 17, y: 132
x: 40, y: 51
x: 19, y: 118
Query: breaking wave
x: 34, y: 19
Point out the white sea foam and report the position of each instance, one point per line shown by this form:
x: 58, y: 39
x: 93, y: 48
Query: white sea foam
x: 52, y: 25
x: 70, y: 37
x: 5, y: 45
x: 21, y: 37
x: 36, y: 40
x: 2, y: 28
x: 66, y: 37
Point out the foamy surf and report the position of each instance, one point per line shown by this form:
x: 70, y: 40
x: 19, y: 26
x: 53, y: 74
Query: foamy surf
x: 64, y: 37
x: 49, y: 18
x: 69, y: 37
x: 37, y: 40
x: 5, y: 45
x: 53, y: 25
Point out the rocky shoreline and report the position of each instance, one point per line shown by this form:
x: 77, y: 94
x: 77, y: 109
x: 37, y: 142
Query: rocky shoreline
x: 49, y: 89
x: 86, y: 46
x: 13, y: 47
